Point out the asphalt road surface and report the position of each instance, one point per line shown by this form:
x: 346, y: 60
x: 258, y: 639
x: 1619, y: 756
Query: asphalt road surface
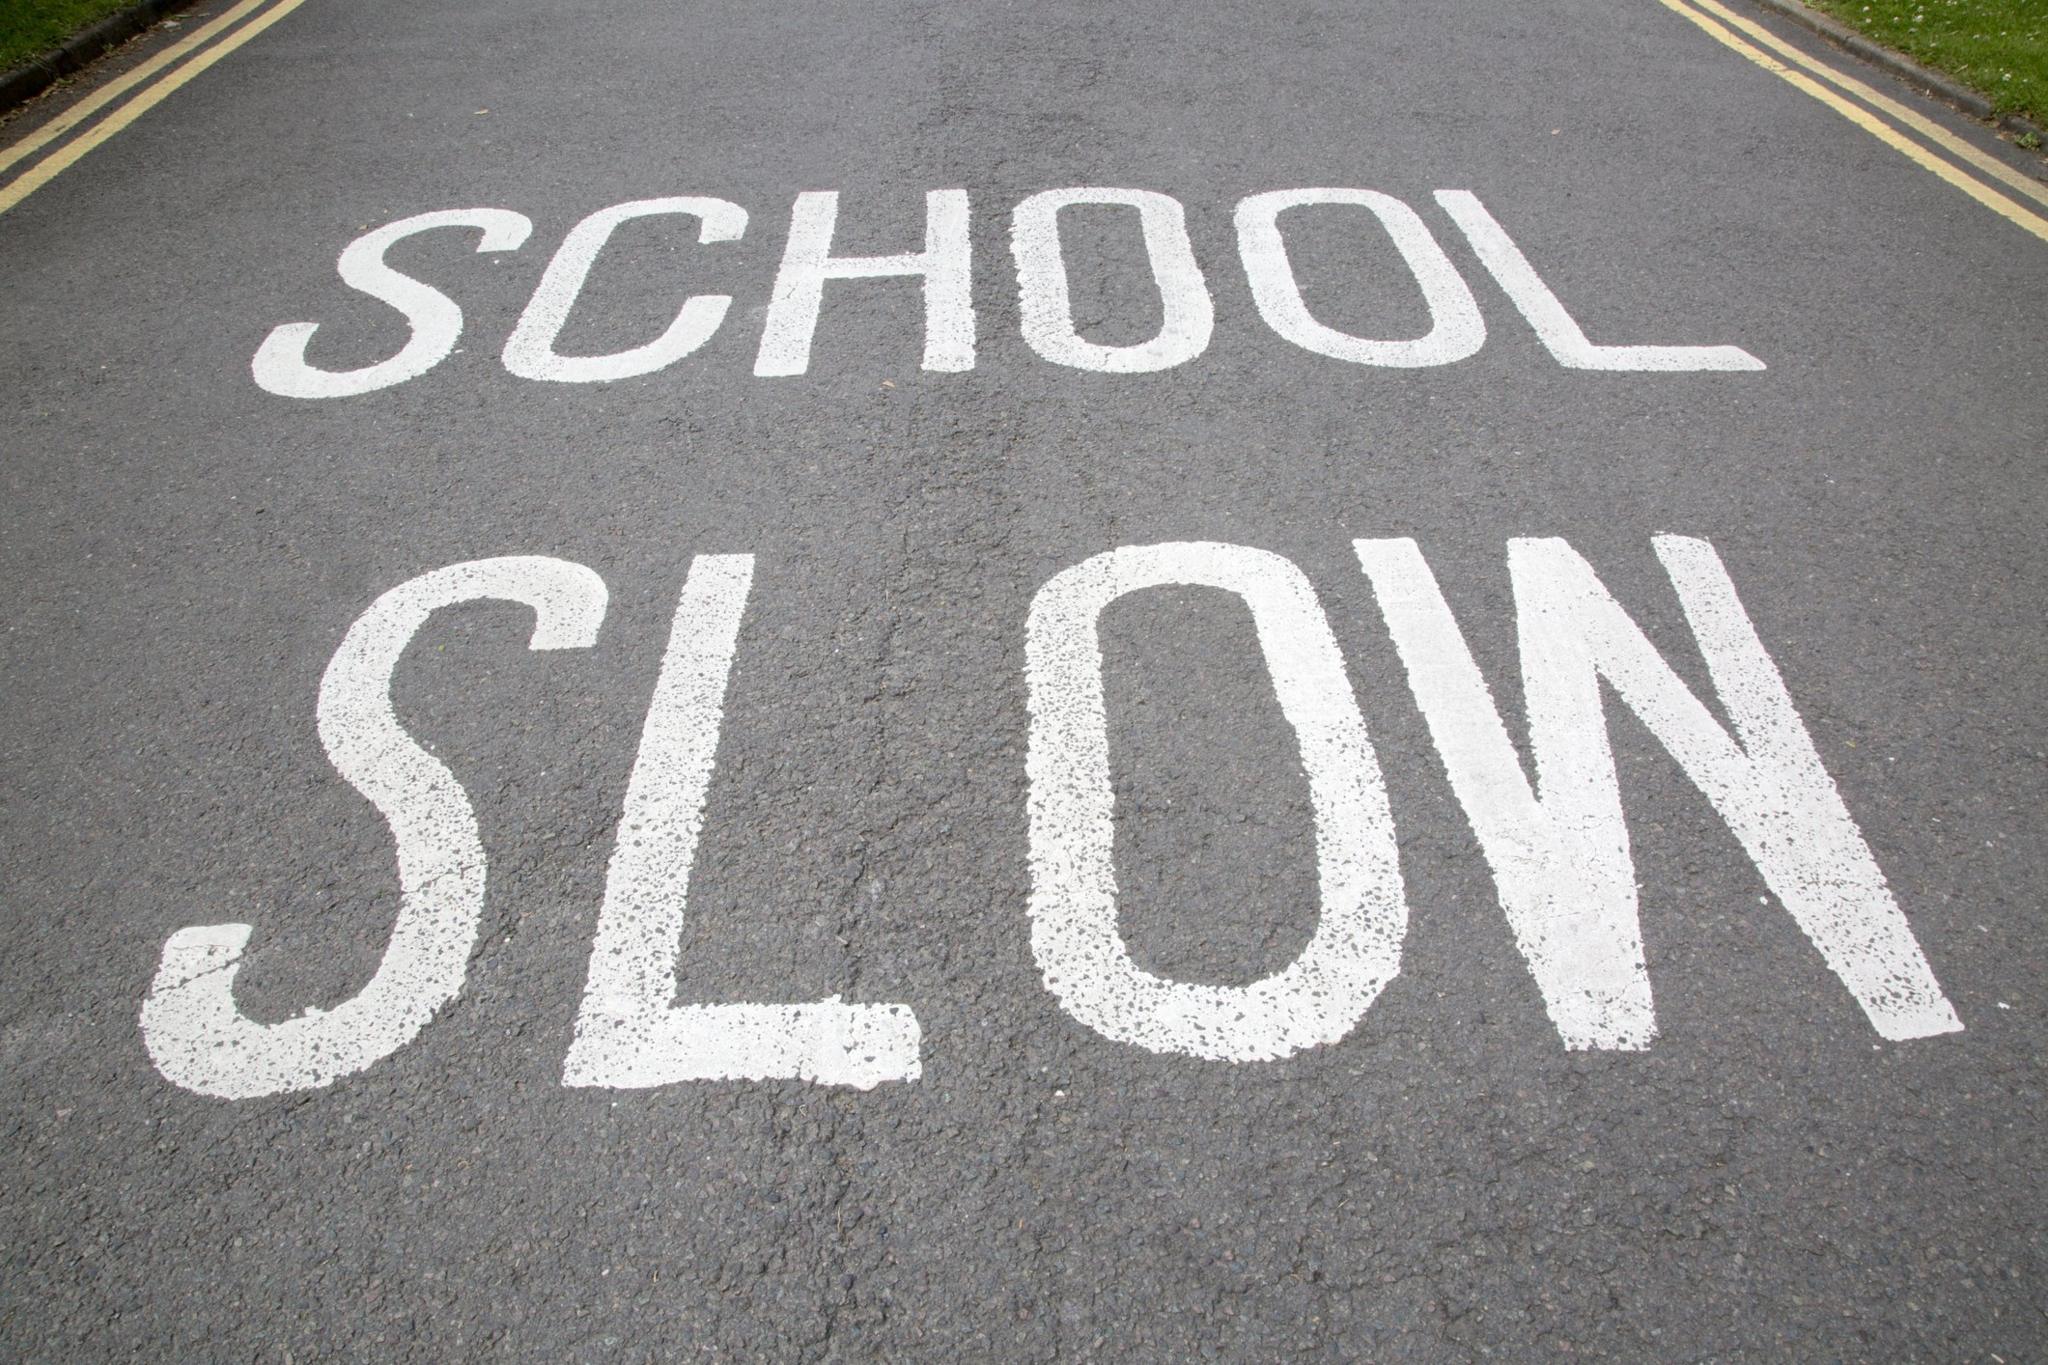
x: 1371, y: 688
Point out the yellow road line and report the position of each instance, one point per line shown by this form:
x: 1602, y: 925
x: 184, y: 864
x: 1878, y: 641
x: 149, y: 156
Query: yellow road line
x: 114, y: 89
x: 1884, y: 103
x: 148, y: 98
x: 2019, y: 214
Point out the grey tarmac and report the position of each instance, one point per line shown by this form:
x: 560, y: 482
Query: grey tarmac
x: 184, y: 551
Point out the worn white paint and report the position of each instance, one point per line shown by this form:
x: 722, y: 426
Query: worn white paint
x: 1561, y: 861
x: 630, y: 1033
x: 1554, y: 326
x: 1047, y: 302
x: 1456, y: 330
x: 435, y: 320
x: 944, y: 269
x: 1560, y: 854
x: 530, y: 351
x: 945, y: 265
x: 194, y: 1031
x: 1356, y: 947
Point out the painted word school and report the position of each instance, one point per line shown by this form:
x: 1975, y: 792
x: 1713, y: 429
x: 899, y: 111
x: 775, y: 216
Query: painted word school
x: 1558, y: 847
x: 943, y: 267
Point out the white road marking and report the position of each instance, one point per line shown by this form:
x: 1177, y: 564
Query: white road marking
x: 530, y: 351
x: 1456, y: 329
x: 1047, y: 303
x: 629, y: 1032
x: 1356, y: 947
x: 1559, y: 850
x: 280, y: 364
x: 1554, y: 326
x: 194, y: 1031
x: 1561, y: 859
x: 944, y: 264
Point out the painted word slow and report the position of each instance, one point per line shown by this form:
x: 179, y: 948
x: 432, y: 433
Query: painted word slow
x: 1558, y: 845
x: 943, y: 267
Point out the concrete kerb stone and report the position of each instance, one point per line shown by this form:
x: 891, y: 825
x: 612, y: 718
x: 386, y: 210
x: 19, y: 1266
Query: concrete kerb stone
x: 25, y: 82
x: 1904, y: 67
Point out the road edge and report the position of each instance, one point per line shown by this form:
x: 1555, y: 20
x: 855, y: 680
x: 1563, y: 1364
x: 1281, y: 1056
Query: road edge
x: 1946, y: 88
x: 32, y: 78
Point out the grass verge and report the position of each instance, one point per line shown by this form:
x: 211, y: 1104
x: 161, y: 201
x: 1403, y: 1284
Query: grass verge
x: 1997, y: 47
x: 31, y: 27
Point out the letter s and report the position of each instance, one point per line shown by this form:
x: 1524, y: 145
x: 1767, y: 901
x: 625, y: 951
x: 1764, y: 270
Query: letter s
x: 194, y: 1032
x: 279, y: 365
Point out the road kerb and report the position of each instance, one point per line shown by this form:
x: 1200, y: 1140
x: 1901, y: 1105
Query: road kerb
x: 1945, y: 88
x: 37, y: 74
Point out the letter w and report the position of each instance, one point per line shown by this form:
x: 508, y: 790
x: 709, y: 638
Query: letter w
x: 1560, y: 853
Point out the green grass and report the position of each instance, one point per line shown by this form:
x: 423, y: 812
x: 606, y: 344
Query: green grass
x: 30, y: 27
x: 1998, y: 47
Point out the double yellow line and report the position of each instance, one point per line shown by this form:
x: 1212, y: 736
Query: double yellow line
x: 98, y: 116
x: 1927, y: 153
